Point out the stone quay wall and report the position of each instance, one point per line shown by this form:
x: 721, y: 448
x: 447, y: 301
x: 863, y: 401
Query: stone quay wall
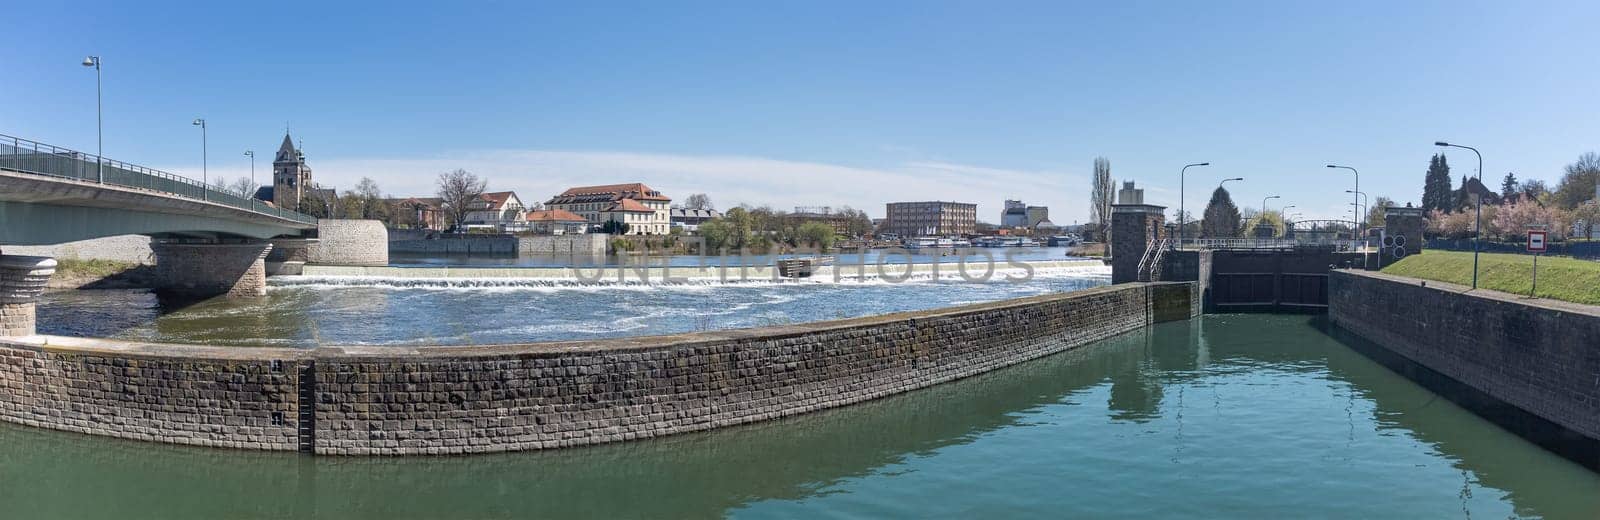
x: 499, y: 245
x: 1532, y: 366
x: 583, y: 244
x: 203, y: 396
x: 587, y: 244
x: 349, y: 242
x: 475, y: 399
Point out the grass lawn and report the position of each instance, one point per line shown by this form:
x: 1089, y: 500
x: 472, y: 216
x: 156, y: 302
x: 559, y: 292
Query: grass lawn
x: 1559, y: 278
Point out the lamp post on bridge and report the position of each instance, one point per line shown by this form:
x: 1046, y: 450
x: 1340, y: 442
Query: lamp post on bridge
x: 1478, y: 220
x: 205, y: 181
x: 252, y: 155
x: 1181, y: 223
x: 99, y: 122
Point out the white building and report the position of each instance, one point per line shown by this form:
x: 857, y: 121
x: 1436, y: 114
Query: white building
x: 501, y: 210
x: 645, y: 210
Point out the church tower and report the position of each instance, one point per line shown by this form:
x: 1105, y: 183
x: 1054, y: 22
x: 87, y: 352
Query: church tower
x: 290, y: 176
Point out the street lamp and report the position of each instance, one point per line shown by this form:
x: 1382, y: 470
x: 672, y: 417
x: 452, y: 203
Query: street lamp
x: 1225, y: 181
x: 252, y: 155
x: 1366, y: 206
x: 1181, y: 173
x: 99, y: 122
x: 1358, y: 188
x: 1478, y: 220
x: 205, y: 181
x: 1264, y: 202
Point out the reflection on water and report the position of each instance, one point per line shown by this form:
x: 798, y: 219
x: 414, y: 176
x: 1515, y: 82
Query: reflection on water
x: 1228, y: 416
x: 306, y: 311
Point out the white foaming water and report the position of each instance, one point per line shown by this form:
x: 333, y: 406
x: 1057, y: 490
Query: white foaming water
x: 1003, y: 276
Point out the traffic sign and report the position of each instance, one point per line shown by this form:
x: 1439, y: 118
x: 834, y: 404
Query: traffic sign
x: 1536, y: 240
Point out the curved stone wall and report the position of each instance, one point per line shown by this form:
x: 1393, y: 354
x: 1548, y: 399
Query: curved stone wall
x: 349, y: 242
x: 475, y: 399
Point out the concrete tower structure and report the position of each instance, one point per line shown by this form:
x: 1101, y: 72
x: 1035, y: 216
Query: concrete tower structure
x: 290, y: 176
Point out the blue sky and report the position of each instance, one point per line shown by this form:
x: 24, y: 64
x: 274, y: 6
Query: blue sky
x: 825, y: 103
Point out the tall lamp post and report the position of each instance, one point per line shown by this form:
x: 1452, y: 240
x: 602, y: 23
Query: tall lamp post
x: 1358, y: 188
x: 99, y: 122
x: 252, y: 155
x: 1478, y: 219
x: 1283, y: 214
x: 1366, y: 207
x: 1225, y: 181
x: 1265, y: 199
x: 1181, y: 223
x: 205, y: 180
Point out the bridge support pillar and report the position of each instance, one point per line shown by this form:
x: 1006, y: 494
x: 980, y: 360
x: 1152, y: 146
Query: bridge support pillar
x: 203, y: 270
x: 22, y: 278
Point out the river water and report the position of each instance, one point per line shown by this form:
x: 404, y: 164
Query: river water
x: 1228, y: 416
x: 306, y: 311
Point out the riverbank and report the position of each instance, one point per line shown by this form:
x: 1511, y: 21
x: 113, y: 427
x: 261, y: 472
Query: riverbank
x: 1560, y: 278
x: 72, y: 273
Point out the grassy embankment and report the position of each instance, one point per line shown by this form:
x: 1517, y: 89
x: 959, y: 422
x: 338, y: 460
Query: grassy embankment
x: 73, y: 273
x: 1560, y: 278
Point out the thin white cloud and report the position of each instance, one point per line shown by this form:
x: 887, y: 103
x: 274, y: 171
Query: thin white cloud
x: 536, y: 175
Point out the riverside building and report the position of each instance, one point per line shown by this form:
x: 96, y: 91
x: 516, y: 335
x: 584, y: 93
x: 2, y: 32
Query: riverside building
x: 645, y: 210
x: 931, y: 218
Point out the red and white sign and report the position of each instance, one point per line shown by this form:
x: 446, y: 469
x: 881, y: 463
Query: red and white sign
x: 1536, y: 240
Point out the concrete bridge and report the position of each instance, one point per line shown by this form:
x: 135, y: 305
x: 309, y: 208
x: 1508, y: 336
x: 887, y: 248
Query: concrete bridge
x: 206, y: 241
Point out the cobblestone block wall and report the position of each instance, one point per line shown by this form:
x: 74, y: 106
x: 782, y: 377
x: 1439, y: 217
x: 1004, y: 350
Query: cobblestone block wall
x: 350, y: 242
x: 16, y: 319
x: 585, y: 244
x: 188, y: 399
x: 488, y: 399
x: 1541, y: 357
x: 236, y: 270
x: 475, y: 399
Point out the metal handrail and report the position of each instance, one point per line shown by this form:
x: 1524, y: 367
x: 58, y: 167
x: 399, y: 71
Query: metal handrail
x: 1269, y: 243
x: 36, y: 158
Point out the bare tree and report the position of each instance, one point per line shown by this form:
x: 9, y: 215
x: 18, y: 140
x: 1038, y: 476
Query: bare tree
x: 370, y: 200
x: 459, y: 189
x: 244, y: 187
x: 1100, y: 198
x: 698, y: 201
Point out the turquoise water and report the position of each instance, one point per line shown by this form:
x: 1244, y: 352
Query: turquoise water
x: 1230, y: 416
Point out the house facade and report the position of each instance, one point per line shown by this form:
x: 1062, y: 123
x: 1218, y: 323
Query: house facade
x: 645, y: 210
x: 689, y: 220
x: 417, y: 213
x: 501, y: 210
x: 556, y: 222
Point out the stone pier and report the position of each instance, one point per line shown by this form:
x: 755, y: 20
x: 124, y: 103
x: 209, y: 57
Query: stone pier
x: 203, y: 270
x: 22, y: 278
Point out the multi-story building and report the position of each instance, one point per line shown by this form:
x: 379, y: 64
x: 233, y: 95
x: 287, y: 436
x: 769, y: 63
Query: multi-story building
x: 931, y: 218
x: 690, y: 220
x: 646, y: 211
x: 501, y: 210
x: 1019, y: 215
x: 1014, y: 215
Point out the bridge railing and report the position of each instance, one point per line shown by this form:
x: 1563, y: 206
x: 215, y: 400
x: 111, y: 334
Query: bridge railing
x: 32, y: 157
x: 1239, y: 244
